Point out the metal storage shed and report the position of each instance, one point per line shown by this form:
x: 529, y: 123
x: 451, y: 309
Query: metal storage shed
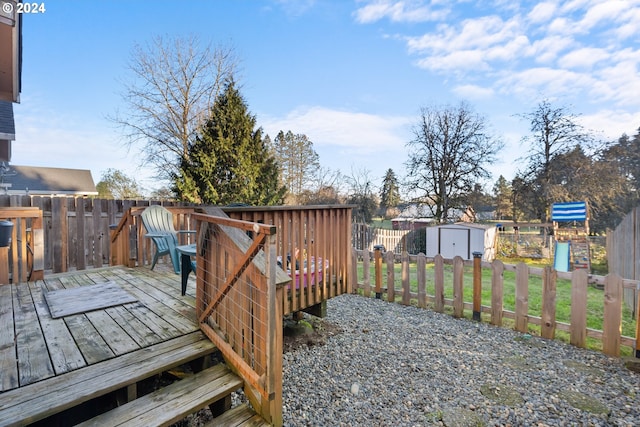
x: 463, y: 239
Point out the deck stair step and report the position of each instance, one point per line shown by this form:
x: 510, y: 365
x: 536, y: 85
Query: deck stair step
x: 174, y: 402
x: 49, y: 397
x: 240, y: 416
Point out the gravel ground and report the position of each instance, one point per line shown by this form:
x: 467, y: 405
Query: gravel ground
x: 403, y: 366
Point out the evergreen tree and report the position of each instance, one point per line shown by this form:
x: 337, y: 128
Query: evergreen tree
x: 390, y: 193
x: 229, y: 161
x: 298, y: 162
x: 503, y: 197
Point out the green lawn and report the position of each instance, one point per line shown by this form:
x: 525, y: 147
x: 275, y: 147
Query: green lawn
x: 595, y: 298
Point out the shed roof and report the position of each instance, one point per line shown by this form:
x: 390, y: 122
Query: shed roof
x: 50, y: 181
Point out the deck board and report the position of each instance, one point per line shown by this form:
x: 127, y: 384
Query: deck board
x: 82, y: 356
x: 34, y: 363
x: 137, y: 329
x: 34, y: 346
x: 8, y: 362
x: 65, y: 356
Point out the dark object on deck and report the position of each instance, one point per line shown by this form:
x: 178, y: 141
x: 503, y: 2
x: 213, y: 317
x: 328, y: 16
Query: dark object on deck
x: 6, y: 227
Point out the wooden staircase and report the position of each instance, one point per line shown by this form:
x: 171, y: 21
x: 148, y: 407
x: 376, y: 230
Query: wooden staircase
x: 174, y: 402
x: 71, y: 398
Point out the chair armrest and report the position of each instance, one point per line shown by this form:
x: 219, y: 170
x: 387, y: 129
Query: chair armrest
x: 187, y: 231
x: 152, y: 235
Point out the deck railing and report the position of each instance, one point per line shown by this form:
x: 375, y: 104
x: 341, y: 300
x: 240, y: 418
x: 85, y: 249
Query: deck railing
x: 129, y: 246
x: 238, y: 287
x: 450, y: 292
x: 22, y: 260
x: 313, y: 244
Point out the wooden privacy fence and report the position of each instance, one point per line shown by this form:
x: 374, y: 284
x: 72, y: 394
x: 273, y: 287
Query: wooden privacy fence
x: 76, y: 229
x: 22, y: 260
x: 366, y: 237
x: 623, y: 253
x: 415, y: 266
x: 238, y: 287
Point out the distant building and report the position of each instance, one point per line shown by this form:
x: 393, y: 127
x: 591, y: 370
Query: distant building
x: 39, y: 181
x: 10, y: 76
x: 417, y: 216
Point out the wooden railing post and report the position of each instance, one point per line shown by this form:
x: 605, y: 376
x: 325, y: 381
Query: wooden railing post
x: 477, y: 285
x: 4, y: 265
x: 377, y: 255
x: 637, y: 349
x: 274, y: 331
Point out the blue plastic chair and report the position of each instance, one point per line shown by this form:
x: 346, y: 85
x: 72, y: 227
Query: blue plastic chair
x: 158, y: 222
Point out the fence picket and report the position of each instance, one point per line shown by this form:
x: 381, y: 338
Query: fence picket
x: 422, y: 280
x: 522, y: 297
x: 438, y: 279
x: 406, y: 283
x: 497, y: 281
x: 367, y: 274
x: 612, y: 315
x: 458, y: 276
x: 548, y: 326
x: 579, y: 280
x: 391, y: 277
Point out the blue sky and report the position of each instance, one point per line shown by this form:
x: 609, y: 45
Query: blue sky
x: 351, y: 75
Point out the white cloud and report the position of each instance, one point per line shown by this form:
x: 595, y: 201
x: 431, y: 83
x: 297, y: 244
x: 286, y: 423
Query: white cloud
x: 295, y: 8
x: 481, y: 33
x: 607, y: 12
x: 358, y: 131
x: 542, y: 12
x: 613, y: 123
x: 473, y: 92
x: 398, y: 11
x: 578, y: 54
x: 534, y: 81
x: 458, y: 61
x: 583, y: 58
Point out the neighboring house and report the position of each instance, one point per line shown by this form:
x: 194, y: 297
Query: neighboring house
x: 415, y: 216
x: 10, y: 75
x: 7, y: 130
x: 35, y: 180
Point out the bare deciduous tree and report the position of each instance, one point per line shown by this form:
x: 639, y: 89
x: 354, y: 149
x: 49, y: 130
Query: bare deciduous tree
x: 173, y: 85
x: 554, y: 132
x: 449, y: 153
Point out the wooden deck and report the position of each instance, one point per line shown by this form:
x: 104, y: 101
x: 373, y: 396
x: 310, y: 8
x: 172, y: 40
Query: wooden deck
x: 59, y: 366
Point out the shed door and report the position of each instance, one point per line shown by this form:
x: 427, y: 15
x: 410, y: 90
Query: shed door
x: 453, y: 242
